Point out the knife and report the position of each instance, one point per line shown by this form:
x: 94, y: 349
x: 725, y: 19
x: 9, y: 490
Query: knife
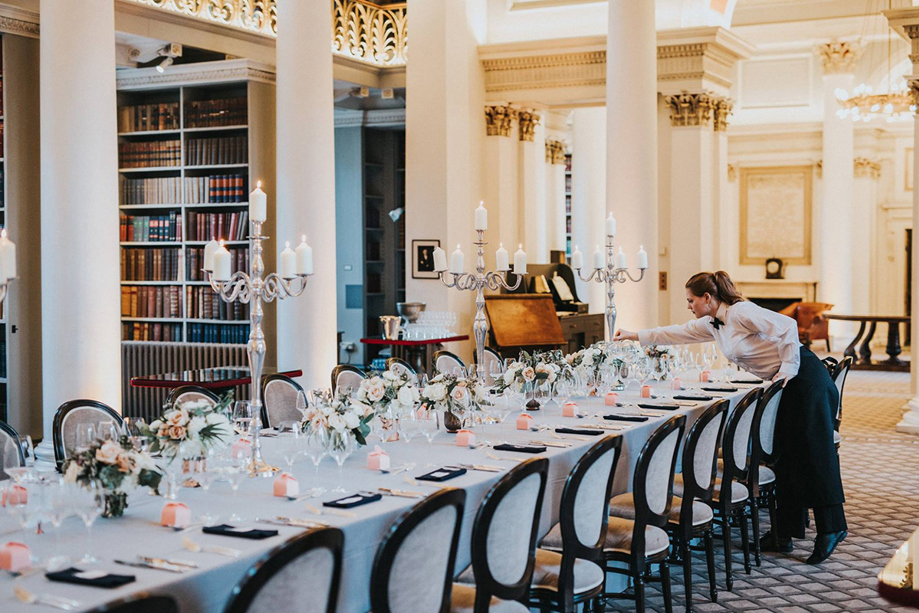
x: 400, y: 493
x: 152, y: 560
x: 483, y: 468
x: 167, y: 567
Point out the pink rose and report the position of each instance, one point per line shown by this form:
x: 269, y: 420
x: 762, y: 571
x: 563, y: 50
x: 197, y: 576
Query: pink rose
x: 176, y: 432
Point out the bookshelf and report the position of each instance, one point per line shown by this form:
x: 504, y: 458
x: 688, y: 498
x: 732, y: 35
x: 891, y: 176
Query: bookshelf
x: 192, y: 143
x: 568, y: 205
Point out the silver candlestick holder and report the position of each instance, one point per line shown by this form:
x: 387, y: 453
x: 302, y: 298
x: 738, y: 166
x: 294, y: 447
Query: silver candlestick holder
x: 478, y: 281
x: 255, y: 289
x: 4, y: 288
x: 611, y: 275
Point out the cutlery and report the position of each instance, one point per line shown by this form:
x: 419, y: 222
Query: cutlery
x: 153, y: 560
x: 154, y: 565
x: 396, y: 471
x: 291, y: 522
x: 400, y: 493
x: 313, y: 510
x: 191, y: 526
x: 551, y: 444
x: 340, y: 512
x: 309, y: 494
x: 495, y: 456
x: 483, y: 468
x: 198, y: 548
x: 28, y: 597
x: 412, y: 481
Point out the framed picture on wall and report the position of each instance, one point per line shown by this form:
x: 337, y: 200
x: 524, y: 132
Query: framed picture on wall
x: 775, y: 214
x: 423, y: 259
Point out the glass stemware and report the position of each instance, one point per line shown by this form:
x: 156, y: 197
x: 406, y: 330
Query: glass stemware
x: 88, y: 503
x: 289, y: 443
x: 317, y: 447
x: 85, y: 436
x: 58, y: 507
x: 242, y: 417
x: 235, y: 469
x: 340, y: 447
x: 428, y: 423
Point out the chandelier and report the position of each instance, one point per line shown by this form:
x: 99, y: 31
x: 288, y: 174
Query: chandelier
x: 865, y: 105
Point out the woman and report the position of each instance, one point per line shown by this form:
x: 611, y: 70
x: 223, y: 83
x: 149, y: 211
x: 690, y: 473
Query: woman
x: 766, y: 344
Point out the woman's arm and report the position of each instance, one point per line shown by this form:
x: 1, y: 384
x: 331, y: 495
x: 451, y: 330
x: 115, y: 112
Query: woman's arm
x: 695, y: 331
x: 774, y: 325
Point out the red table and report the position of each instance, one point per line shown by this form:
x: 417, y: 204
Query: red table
x: 222, y: 377
x: 420, y: 353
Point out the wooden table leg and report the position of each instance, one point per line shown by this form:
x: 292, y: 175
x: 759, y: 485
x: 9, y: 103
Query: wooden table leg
x: 893, y: 344
x: 865, y: 350
x: 850, y: 350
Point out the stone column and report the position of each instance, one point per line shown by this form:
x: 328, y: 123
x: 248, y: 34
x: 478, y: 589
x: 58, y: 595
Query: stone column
x: 555, y: 194
x: 835, y: 287
x: 500, y: 177
x: 307, y: 325
x: 81, y: 330
x: 867, y: 172
x: 588, y: 191
x: 631, y: 146
x: 532, y: 190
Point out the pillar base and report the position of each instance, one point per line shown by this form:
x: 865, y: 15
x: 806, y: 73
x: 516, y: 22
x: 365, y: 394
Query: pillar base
x: 909, y: 424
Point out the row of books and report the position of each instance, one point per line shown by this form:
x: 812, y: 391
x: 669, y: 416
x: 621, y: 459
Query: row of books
x: 146, y: 117
x: 149, y: 154
x: 220, y: 150
x: 156, y: 264
x: 216, y: 113
x: 158, y: 190
x: 145, y: 331
x: 218, y: 333
x: 145, y: 301
x: 215, y: 188
x: 204, y: 303
x: 230, y: 226
x: 194, y: 261
x: 151, y: 228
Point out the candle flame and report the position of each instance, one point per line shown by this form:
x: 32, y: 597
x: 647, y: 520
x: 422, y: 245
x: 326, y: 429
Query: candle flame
x: 258, y: 185
x: 303, y: 238
x: 520, y: 246
x: 576, y: 248
x: 221, y: 242
x: 3, y: 233
x: 482, y: 203
x: 287, y: 244
x: 500, y: 245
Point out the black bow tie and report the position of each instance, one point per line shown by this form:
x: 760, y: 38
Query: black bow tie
x: 717, y: 323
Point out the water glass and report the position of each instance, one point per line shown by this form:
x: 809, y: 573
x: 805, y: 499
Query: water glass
x: 340, y: 447
x: 58, y: 507
x: 289, y: 442
x: 88, y: 503
x: 242, y: 417
x: 316, y: 443
x: 84, y: 437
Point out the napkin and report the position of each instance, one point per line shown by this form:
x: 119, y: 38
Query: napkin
x: 353, y: 501
x: 443, y: 474
x: 626, y: 417
x: 663, y: 407
x: 227, y: 530
x: 520, y: 448
x: 720, y: 389
x: 579, y: 431
x: 756, y: 380
x: 93, y: 578
x: 693, y: 397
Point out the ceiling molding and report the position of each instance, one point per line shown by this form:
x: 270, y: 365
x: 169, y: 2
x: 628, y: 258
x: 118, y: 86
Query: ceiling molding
x: 18, y: 21
x: 189, y: 74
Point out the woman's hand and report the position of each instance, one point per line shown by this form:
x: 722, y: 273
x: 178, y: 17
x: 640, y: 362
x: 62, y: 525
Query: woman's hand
x: 625, y: 335
x: 783, y: 377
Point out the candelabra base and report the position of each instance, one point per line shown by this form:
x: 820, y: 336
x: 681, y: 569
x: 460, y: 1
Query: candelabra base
x: 260, y: 468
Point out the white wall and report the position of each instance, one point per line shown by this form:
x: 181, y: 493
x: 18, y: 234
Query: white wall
x: 349, y: 236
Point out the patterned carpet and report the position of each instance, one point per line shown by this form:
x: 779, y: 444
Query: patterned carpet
x: 880, y: 470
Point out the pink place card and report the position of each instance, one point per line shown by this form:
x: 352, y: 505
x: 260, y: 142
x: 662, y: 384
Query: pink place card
x: 524, y: 421
x: 286, y: 485
x: 378, y: 459
x: 611, y: 399
x: 704, y: 376
x: 175, y: 515
x: 645, y: 391
x: 15, y: 557
x: 15, y: 495
x: 570, y: 409
x: 241, y: 448
x: 676, y: 384
x: 464, y: 438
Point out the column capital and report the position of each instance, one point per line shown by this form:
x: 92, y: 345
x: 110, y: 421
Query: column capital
x: 698, y: 109
x: 838, y: 57
x: 863, y: 167
x: 700, y: 59
x: 526, y: 124
x: 498, y: 120
x: 555, y: 151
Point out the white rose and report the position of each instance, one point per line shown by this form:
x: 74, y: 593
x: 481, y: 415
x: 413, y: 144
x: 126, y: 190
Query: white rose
x: 459, y: 393
x: 108, y: 453
x: 406, y: 396
x: 438, y: 378
x: 352, y: 420
x: 156, y: 425
x: 73, y: 471
x: 509, y: 376
x: 375, y: 389
x: 362, y: 393
x: 337, y: 422
x: 390, y: 376
x: 178, y: 417
x: 435, y: 392
x: 196, y: 405
x: 196, y: 425
x: 529, y: 374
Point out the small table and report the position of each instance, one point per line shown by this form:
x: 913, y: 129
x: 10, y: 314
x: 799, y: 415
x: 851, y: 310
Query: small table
x: 418, y: 353
x: 863, y: 360
x: 220, y: 378
x: 897, y: 582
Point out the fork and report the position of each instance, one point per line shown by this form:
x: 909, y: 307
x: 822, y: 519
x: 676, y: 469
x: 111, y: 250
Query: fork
x: 28, y: 597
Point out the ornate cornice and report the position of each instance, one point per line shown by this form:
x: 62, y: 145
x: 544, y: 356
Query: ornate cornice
x: 21, y: 27
x: 555, y: 151
x: 376, y: 117
x: 499, y: 120
x: 258, y: 16
x: 838, y: 57
x: 230, y: 70
x: 555, y: 70
x: 863, y: 167
x: 526, y: 125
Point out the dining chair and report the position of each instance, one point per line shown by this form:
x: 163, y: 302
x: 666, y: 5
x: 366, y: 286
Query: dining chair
x: 504, y: 544
x: 279, y: 400
x: 761, y: 481
x: 191, y: 393
x: 400, y: 366
x: 643, y: 542
x: 140, y: 602
x: 413, y: 567
x: 690, y: 517
x: 302, y: 574
x: 347, y: 376
x: 72, y: 413
x: 446, y: 361
x: 577, y: 540
x: 839, y: 378
x: 491, y: 357
x: 729, y: 499
x: 11, y: 453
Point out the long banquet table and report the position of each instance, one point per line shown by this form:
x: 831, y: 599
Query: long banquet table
x: 208, y: 588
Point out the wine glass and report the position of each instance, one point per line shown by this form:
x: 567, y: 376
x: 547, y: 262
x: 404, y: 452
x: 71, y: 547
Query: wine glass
x: 108, y: 431
x: 302, y: 404
x: 85, y: 436
x: 340, y: 447
x: 57, y: 509
x: 429, y: 424
x: 88, y: 503
x: 235, y: 469
x: 242, y: 417
x: 410, y: 424
x: 289, y: 442
x: 316, y: 443
x: 709, y: 355
x: 495, y: 371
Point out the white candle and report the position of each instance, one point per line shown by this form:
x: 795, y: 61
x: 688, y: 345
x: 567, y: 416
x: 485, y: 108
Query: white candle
x: 481, y: 217
x: 222, y: 264
x: 258, y: 204
x: 440, y: 260
x: 501, y: 259
x: 642, y: 258
x: 620, y: 259
x: 209, y: 250
x: 288, y: 262
x: 611, y: 225
x: 577, y: 258
x: 304, y: 258
x: 7, y: 257
x: 598, y: 258
x: 456, y: 261
x: 520, y: 261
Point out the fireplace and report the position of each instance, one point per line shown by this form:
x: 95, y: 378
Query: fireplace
x: 775, y: 304
x: 776, y: 294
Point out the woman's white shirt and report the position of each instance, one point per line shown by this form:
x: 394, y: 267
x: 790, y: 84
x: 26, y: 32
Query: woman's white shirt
x: 756, y: 339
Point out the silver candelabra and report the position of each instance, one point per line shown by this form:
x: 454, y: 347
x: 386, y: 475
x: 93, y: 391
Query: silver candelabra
x: 611, y: 276
x: 4, y: 288
x: 478, y: 281
x: 253, y: 288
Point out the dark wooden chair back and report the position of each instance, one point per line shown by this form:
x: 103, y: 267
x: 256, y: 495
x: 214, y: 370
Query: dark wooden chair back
x: 735, y: 446
x: 141, y: 602
x: 446, y: 361
x: 700, y: 457
x: 279, y: 400
x: 839, y: 378
x: 191, y: 393
x: 348, y: 374
x: 77, y: 411
x: 400, y: 366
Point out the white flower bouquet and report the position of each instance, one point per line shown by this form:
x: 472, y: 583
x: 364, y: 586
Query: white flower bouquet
x: 391, y: 394
x: 196, y: 424
x: 453, y: 395
x: 341, y: 415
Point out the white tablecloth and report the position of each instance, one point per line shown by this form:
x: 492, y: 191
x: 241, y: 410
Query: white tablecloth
x: 208, y: 588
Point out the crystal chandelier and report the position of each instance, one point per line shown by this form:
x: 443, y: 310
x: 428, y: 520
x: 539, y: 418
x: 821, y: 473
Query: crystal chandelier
x: 865, y: 105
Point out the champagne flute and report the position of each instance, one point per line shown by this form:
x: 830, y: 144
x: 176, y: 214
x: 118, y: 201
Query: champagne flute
x: 429, y: 424
x: 236, y: 470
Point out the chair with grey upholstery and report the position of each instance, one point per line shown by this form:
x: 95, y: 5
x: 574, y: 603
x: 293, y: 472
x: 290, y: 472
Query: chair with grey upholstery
x: 401, y: 367
x: 347, y: 377
x: 300, y: 575
x: 640, y: 543
x: 413, y: 568
x: 191, y: 393
x: 577, y: 540
x: 11, y: 454
x: 279, y: 400
x: 72, y: 413
x: 504, y: 544
x: 446, y: 361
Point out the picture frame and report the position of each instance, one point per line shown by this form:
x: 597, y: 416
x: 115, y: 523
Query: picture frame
x: 423, y: 258
x: 776, y: 214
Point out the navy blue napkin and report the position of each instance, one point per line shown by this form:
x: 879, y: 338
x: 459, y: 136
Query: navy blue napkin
x: 693, y: 397
x: 579, y: 431
x: 520, y: 448
x: 719, y: 389
x: 227, y: 530
x: 614, y: 417
x: 443, y: 474
x: 662, y: 407
x: 353, y: 501
x: 72, y: 575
